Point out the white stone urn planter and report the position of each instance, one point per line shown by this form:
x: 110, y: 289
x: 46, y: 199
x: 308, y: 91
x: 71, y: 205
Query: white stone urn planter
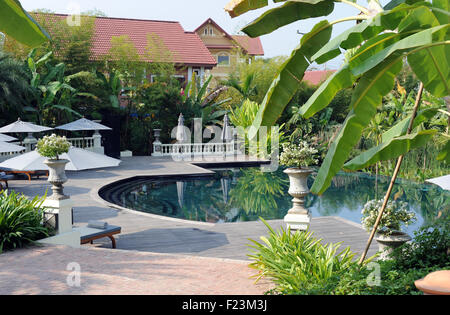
x: 387, y: 243
x: 298, y: 218
x: 57, y: 177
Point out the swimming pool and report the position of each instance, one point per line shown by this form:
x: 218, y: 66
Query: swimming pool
x: 234, y: 195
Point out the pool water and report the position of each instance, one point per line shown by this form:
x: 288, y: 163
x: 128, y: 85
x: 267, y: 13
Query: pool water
x: 234, y: 195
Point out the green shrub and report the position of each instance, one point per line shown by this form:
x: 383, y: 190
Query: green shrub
x: 430, y: 248
x: 21, y: 220
x: 297, y: 262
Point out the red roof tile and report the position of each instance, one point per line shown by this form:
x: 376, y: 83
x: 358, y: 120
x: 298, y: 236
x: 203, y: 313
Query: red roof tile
x: 253, y: 46
x: 317, y: 77
x: 186, y: 47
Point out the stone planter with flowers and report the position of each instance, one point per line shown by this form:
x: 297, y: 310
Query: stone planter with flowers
x: 298, y: 158
x: 52, y: 147
x: 389, y: 235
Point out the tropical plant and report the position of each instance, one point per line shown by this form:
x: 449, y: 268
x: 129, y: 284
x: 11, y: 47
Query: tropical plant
x: 430, y: 247
x: 14, y: 88
x: 416, y: 30
x: 21, y: 220
x: 297, y: 261
x: 246, y: 89
x: 299, y: 155
x: 17, y: 23
x: 202, y: 104
x: 243, y: 117
x: 113, y: 85
x: 51, y: 88
x: 52, y: 146
x: 395, y: 214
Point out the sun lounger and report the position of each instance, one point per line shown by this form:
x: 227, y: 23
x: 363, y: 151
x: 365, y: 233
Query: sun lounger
x: 4, y: 178
x: 88, y: 235
x: 28, y: 174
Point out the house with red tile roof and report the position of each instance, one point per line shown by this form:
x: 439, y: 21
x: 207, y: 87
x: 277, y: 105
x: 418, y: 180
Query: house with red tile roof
x: 227, y: 49
x: 185, y: 49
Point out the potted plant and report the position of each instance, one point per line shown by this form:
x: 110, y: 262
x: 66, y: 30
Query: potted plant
x: 52, y: 147
x: 298, y: 157
x: 389, y: 235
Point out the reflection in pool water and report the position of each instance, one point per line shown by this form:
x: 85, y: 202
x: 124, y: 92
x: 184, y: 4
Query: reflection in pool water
x: 234, y: 195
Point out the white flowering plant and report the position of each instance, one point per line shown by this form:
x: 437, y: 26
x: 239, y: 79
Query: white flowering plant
x: 395, y: 214
x: 298, y: 155
x: 52, y: 146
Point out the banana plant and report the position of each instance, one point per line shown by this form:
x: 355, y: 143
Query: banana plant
x: 412, y: 31
x: 113, y: 84
x: 51, y: 89
x: 17, y: 23
x: 204, y: 104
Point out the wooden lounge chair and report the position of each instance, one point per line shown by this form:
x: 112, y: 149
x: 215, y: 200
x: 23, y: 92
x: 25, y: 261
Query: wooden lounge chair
x: 28, y: 174
x: 88, y: 235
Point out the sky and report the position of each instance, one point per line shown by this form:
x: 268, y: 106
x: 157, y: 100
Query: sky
x: 192, y: 13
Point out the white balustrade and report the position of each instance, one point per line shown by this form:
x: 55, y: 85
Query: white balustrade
x: 195, y: 149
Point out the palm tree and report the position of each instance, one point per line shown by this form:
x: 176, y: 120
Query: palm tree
x: 14, y: 88
x: 247, y: 88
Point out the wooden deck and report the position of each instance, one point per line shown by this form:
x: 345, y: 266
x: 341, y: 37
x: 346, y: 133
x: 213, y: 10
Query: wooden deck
x: 148, y: 233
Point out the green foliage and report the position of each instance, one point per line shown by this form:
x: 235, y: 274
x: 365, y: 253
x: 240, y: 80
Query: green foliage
x: 299, y: 155
x: 243, y: 117
x: 52, y: 92
x: 430, y: 248
x: 17, y: 23
x: 21, y: 220
x: 375, y: 50
x: 291, y: 261
x: 296, y: 261
x: 14, y: 88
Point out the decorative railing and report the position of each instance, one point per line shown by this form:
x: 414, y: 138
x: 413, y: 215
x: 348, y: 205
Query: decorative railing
x: 82, y: 143
x: 195, y: 149
x: 90, y: 143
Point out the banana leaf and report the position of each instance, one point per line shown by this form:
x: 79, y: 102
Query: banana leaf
x: 366, y: 98
x: 17, y: 23
x: 286, y: 14
x: 444, y: 155
x: 390, y: 150
x: 238, y: 7
x: 289, y: 76
x: 400, y: 128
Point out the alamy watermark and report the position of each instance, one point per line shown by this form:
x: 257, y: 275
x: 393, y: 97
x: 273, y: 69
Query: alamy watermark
x: 73, y: 279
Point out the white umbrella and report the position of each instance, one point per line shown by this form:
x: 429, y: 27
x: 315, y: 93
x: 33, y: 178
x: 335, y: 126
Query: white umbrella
x: 443, y: 182
x: 9, y: 147
x: 23, y: 127
x: 79, y: 160
x: 227, y: 132
x: 6, y: 138
x: 181, y: 133
x: 83, y: 124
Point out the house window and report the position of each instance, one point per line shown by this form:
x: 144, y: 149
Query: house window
x: 208, y: 31
x: 223, y: 59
